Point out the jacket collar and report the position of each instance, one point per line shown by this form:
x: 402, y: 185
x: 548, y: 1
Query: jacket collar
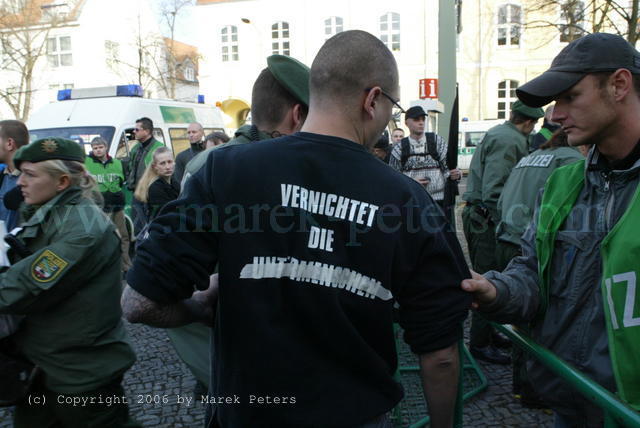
x: 96, y: 160
x: 38, y: 214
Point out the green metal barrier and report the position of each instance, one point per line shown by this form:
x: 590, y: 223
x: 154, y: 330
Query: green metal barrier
x: 469, y: 370
x: 617, y: 413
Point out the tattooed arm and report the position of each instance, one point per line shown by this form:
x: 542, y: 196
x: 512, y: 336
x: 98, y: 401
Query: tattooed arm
x: 199, y: 308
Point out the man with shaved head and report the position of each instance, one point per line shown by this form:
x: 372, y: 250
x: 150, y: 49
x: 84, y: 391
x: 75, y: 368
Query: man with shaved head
x: 304, y: 320
x: 195, y: 133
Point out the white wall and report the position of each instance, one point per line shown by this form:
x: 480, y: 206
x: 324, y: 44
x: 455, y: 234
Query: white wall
x: 220, y: 80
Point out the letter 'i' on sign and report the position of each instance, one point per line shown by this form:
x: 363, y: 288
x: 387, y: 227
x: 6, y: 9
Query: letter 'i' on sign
x: 321, y: 238
x: 428, y: 88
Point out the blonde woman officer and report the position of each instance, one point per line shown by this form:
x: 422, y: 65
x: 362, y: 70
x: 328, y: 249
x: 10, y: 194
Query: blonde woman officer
x: 68, y: 288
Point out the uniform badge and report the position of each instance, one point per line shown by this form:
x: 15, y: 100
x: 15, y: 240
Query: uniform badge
x: 47, y: 266
x: 49, y: 146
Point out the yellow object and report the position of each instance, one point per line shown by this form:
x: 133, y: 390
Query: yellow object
x: 237, y: 109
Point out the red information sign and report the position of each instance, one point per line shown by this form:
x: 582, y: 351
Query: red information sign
x: 428, y: 88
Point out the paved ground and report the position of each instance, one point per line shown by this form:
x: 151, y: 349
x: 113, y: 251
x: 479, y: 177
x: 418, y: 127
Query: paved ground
x: 159, y: 373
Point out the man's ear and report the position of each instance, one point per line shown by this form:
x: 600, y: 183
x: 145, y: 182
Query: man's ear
x: 296, y: 117
x: 622, y: 81
x: 11, y: 144
x: 370, y: 100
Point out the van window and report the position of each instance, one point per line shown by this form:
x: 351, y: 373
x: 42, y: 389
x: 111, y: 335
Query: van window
x: 127, y: 136
x: 82, y: 134
x: 179, y: 139
x: 473, y: 138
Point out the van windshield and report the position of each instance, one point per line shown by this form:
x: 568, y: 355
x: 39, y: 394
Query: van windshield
x: 81, y: 134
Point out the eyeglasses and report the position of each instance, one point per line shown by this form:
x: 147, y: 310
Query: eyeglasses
x: 390, y: 98
x: 138, y: 129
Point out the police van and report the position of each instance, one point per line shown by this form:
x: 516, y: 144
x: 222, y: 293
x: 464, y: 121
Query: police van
x: 110, y: 112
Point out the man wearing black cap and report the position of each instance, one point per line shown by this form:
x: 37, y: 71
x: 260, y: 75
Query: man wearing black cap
x: 576, y: 280
x: 304, y: 324
x: 499, y: 151
x: 422, y: 156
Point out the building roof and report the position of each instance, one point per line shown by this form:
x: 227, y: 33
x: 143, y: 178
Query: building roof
x: 34, y: 12
x: 183, y: 54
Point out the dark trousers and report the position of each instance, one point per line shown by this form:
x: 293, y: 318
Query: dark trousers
x: 480, y: 233
x: 50, y: 413
x: 138, y: 215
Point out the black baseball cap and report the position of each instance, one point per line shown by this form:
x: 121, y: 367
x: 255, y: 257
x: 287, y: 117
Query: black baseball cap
x: 592, y: 53
x: 414, y: 112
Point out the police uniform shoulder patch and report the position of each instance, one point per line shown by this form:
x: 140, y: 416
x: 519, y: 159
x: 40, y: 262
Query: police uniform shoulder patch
x: 47, y: 266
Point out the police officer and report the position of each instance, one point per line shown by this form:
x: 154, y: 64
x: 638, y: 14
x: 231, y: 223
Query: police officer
x: 279, y: 105
x: 65, y: 279
x: 499, y: 151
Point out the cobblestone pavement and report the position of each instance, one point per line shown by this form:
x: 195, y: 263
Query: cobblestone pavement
x: 159, y: 375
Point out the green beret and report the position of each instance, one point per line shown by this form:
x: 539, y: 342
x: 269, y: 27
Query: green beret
x: 48, y: 149
x: 532, y: 112
x: 292, y: 74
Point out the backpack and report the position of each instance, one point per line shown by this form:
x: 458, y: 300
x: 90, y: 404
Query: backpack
x: 432, y: 150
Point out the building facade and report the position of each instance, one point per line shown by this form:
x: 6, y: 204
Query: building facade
x: 501, y: 43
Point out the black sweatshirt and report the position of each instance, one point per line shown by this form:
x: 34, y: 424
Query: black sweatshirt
x: 315, y: 239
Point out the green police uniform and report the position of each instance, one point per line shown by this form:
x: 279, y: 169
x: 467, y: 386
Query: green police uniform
x: 517, y: 201
x: 500, y: 150
x: 69, y: 290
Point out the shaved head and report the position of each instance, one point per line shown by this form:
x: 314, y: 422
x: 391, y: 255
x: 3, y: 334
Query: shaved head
x: 347, y: 64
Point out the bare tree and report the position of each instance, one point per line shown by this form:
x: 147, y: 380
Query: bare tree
x: 24, y: 34
x: 170, y: 10
x: 156, y: 60
x: 580, y: 17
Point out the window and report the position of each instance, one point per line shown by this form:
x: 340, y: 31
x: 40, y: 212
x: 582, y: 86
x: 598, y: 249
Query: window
x: 506, y: 97
x: 229, y: 41
x: 59, y: 51
x: 179, y: 139
x: 111, y: 51
x: 189, y: 73
x: 390, y: 30
x: 509, y: 25
x: 332, y: 26
x: 280, y: 38
x: 572, y: 20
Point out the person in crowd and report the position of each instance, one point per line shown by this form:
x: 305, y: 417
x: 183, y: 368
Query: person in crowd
x: 299, y: 297
x: 496, y: 156
x: 575, y: 278
x: 65, y: 279
x: 195, y: 133
x: 13, y: 135
x: 381, y: 148
x: 140, y: 157
x: 109, y: 175
x: 516, y: 206
x: 215, y: 139
x: 422, y: 156
x: 545, y: 133
x: 397, y: 135
x: 279, y: 105
x: 158, y: 185
x: 280, y: 98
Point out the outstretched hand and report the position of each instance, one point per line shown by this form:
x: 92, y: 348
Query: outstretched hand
x: 484, y: 292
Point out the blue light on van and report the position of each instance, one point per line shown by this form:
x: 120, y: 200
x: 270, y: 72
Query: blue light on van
x: 64, y: 94
x: 129, y: 91
x: 200, y: 99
